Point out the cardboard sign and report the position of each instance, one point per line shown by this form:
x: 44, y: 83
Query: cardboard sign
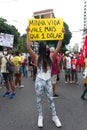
x: 46, y: 29
x: 6, y: 40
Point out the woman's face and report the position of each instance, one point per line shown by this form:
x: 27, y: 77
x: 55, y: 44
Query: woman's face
x: 42, y: 49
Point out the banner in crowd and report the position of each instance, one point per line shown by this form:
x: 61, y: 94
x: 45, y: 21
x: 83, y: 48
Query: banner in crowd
x: 46, y: 29
x: 6, y: 40
x: 84, y: 51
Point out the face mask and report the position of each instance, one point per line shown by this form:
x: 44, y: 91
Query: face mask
x: 5, y: 52
x: 74, y: 57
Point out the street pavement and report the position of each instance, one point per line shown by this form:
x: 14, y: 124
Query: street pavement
x: 20, y: 113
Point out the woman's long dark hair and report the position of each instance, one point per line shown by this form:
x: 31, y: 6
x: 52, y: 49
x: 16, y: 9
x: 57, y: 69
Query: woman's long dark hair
x: 44, y: 56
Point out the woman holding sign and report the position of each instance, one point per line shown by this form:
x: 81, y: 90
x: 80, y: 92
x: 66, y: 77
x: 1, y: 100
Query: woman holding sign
x: 43, y: 78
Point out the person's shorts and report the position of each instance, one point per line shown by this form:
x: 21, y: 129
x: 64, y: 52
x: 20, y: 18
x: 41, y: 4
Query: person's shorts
x: 30, y: 68
x: 54, y: 79
x: 17, y: 69
x: 67, y: 71
x: 8, y: 76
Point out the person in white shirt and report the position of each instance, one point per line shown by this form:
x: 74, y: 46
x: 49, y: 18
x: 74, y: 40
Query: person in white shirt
x: 67, y: 68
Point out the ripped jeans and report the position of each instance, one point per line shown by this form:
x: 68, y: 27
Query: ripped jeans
x: 42, y: 86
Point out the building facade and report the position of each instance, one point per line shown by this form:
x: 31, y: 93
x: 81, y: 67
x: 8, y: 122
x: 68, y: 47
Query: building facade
x: 49, y: 13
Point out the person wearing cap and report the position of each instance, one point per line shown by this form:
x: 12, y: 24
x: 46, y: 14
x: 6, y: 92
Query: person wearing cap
x: 67, y: 67
x: 74, y: 69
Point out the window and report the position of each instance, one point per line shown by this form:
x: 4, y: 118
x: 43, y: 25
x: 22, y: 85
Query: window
x: 42, y: 16
x: 37, y: 16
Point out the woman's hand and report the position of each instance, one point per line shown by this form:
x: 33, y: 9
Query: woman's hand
x: 28, y: 46
x: 63, y: 30
x: 27, y: 29
x: 27, y: 40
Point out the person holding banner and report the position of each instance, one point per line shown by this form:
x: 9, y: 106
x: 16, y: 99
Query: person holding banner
x: 43, y: 79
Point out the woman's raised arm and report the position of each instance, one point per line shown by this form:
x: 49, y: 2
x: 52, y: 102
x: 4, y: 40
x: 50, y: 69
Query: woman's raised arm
x: 59, y: 44
x: 29, y: 49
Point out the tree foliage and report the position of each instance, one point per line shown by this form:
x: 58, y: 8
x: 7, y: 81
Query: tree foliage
x: 9, y: 29
x: 22, y: 43
x: 68, y: 35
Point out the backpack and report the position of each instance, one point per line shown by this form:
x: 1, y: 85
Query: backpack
x: 9, y: 67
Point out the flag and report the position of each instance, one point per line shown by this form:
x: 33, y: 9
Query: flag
x: 84, y: 51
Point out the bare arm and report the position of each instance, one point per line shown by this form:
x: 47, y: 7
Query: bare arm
x: 10, y: 61
x: 30, y: 51
x: 56, y: 50
x: 0, y: 60
x: 59, y: 44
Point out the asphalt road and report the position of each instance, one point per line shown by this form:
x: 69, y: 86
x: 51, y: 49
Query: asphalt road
x: 20, y: 113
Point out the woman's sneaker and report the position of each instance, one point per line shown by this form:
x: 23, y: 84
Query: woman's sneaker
x: 55, y: 95
x: 12, y: 95
x: 6, y: 94
x: 16, y: 86
x: 40, y: 121
x: 56, y: 121
x: 21, y: 86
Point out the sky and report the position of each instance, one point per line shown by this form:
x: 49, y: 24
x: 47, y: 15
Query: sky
x: 17, y: 12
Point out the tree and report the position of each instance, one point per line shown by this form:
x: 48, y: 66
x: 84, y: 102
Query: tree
x: 9, y: 29
x: 22, y: 45
x: 68, y: 35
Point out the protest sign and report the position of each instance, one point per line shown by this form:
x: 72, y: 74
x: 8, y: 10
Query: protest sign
x: 46, y: 29
x: 6, y: 40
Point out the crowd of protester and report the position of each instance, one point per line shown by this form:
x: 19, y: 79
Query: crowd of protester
x: 24, y: 66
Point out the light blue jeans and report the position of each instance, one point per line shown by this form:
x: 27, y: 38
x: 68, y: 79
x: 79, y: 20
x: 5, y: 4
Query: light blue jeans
x: 42, y: 86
